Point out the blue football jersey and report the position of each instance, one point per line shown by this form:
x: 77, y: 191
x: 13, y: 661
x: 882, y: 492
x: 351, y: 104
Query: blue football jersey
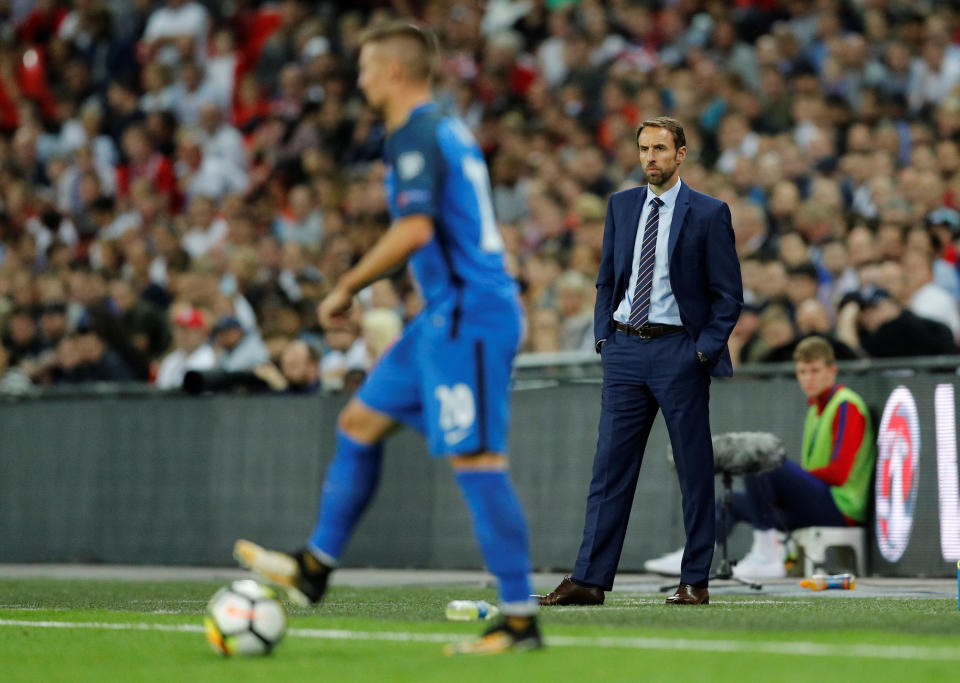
x: 435, y: 168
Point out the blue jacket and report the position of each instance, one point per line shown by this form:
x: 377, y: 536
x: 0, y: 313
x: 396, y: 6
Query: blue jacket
x: 704, y: 269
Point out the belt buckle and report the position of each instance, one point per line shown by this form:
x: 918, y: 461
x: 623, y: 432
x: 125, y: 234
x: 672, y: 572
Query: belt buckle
x: 644, y: 332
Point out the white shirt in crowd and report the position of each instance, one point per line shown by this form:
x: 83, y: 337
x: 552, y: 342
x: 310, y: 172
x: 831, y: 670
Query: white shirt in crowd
x: 335, y: 363
x: 199, y: 240
x: 177, y: 363
x: 934, y: 302
x: 169, y: 22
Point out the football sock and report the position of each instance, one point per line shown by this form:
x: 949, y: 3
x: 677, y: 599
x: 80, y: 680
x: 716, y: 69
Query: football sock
x: 501, y: 530
x: 349, y: 485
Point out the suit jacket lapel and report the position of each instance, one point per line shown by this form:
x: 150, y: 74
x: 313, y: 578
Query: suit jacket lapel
x: 628, y: 233
x: 679, y: 214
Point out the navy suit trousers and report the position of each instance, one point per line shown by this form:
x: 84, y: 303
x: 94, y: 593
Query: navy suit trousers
x: 640, y: 377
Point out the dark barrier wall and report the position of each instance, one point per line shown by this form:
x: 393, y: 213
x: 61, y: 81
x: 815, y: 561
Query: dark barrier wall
x: 174, y: 480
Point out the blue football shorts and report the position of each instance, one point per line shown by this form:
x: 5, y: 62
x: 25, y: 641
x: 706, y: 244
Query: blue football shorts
x: 450, y: 380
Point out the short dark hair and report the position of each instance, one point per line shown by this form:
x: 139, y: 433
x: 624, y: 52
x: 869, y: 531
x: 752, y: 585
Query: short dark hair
x: 814, y: 348
x: 420, y: 63
x: 806, y: 269
x: 671, y: 124
x: 21, y: 310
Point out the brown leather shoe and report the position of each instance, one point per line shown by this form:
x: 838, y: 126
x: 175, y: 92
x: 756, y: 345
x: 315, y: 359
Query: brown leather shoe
x: 570, y: 593
x: 688, y: 595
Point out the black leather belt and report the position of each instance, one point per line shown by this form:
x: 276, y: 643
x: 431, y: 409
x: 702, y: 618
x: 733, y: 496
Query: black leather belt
x: 647, y: 330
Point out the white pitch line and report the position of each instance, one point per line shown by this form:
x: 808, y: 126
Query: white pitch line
x: 104, y: 625
x: 790, y: 648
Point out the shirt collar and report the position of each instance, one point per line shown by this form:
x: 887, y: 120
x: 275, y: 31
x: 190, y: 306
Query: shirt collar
x: 669, y: 198
x: 421, y: 108
x: 427, y: 106
x: 821, y: 401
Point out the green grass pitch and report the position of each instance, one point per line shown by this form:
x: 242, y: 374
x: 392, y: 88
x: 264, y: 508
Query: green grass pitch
x: 150, y: 631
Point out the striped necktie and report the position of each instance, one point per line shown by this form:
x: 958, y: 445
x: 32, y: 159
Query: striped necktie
x: 640, y: 304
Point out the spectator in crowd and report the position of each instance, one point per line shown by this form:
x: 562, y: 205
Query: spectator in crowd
x: 236, y: 348
x: 53, y: 323
x: 21, y: 338
x: 143, y: 160
x: 344, y: 350
x: 220, y: 140
x: 876, y: 323
x: 85, y: 357
x: 192, y: 93
x: 575, y: 306
x: 176, y: 30
x: 299, y: 371
x: 926, y: 298
x: 929, y: 239
x: 190, y: 348
x: 52, y: 329
x: 144, y: 328
x: 544, y: 333
x: 750, y: 229
x: 300, y: 221
x: 775, y: 329
x: 839, y: 277
x: 12, y: 380
x: 812, y: 320
x: 301, y: 368
x: 803, y: 282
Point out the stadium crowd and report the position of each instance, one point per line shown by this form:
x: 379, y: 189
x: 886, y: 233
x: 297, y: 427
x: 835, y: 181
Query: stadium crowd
x: 181, y: 181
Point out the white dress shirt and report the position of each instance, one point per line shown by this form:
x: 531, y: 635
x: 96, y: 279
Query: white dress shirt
x: 663, y: 305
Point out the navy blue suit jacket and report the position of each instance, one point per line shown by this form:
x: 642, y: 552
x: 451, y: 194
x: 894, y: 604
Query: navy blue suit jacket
x: 704, y: 269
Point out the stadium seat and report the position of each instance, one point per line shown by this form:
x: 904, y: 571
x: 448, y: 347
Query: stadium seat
x: 817, y: 540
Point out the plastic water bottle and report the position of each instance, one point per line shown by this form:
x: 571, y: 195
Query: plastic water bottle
x: 471, y: 610
x: 822, y: 582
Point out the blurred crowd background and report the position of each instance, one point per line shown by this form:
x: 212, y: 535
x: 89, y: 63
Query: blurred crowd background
x: 181, y: 182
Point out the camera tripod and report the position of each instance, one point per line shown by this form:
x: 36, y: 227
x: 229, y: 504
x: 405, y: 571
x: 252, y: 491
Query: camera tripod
x: 725, y: 570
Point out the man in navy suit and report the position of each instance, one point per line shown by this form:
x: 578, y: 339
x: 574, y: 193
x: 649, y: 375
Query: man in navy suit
x: 668, y: 295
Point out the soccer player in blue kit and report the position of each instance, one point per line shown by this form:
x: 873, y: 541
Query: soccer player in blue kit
x: 448, y: 375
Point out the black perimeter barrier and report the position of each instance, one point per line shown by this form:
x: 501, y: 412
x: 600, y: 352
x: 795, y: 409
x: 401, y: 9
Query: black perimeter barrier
x: 127, y: 474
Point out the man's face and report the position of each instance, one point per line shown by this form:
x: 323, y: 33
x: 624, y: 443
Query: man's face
x: 297, y: 365
x: 230, y: 337
x: 569, y: 301
x: 874, y: 315
x: 188, y: 338
x: 801, y: 288
x: 53, y: 324
x: 816, y: 376
x: 210, y: 117
x: 90, y: 347
x: 22, y: 329
x: 659, y: 156
x: 340, y: 338
x: 375, y: 74
x: 122, y: 294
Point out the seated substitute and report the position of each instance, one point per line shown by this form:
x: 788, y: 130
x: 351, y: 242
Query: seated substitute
x: 829, y: 488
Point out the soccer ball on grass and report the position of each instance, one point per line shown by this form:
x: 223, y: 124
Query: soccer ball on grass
x: 245, y: 618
